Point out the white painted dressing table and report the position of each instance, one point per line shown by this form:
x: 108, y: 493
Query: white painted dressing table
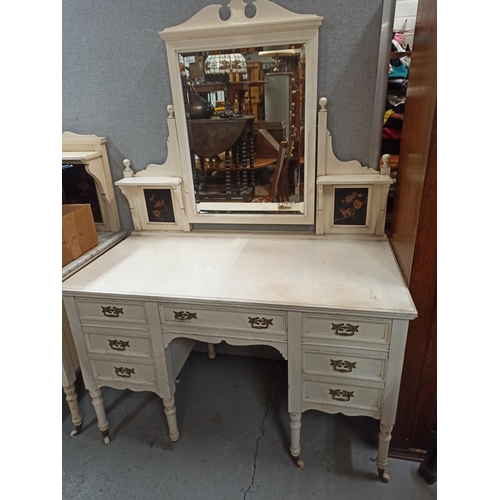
x: 332, y: 301
x: 337, y: 311
x: 89, y: 151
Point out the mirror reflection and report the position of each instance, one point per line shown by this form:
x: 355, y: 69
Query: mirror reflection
x: 245, y: 118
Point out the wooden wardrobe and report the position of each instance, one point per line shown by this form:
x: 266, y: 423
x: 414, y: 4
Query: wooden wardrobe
x: 414, y: 240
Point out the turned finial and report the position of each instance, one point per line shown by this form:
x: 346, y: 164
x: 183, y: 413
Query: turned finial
x: 322, y: 103
x: 170, y: 110
x: 128, y: 172
x: 384, y: 168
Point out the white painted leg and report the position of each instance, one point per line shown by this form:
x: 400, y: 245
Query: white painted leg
x: 211, y: 351
x: 384, y: 438
x: 170, y: 410
x: 102, y: 421
x: 76, y: 416
x: 295, y: 425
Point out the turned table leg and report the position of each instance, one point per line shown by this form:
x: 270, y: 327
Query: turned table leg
x: 76, y: 417
x: 384, y: 438
x: 295, y: 425
x: 170, y: 410
x: 211, y: 351
x: 102, y: 421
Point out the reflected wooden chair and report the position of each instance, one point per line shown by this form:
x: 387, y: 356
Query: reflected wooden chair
x: 278, y: 190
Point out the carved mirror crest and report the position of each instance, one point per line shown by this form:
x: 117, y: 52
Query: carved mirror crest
x: 244, y: 78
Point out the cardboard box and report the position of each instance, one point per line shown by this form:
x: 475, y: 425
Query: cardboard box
x: 78, y: 232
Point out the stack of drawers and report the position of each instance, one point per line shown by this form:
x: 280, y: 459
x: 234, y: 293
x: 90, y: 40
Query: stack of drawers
x: 344, y: 364
x: 118, y: 343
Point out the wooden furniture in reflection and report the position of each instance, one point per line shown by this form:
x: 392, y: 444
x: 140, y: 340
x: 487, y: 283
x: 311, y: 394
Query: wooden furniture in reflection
x: 257, y: 91
x: 233, y: 137
x: 237, y: 90
x: 277, y: 189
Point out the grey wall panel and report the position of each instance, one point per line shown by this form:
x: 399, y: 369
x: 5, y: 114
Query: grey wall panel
x: 115, y: 74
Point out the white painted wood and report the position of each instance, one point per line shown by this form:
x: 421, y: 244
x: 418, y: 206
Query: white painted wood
x: 345, y: 276
x: 346, y: 300
x: 90, y: 150
x: 359, y: 399
x: 285, y: 207
x: 133, y: 189
x: 101, y: 312
x: 384, y: 440
x: 345, y: 330
x: 76, y: 416
x: 306, y: 284
x: 271, y: 25
x: 102, y: 421
x: 70, y: 361
x: 395, y: 368
x: 217, y: 336
x: 255, y: 321
x: 120, y: 343
x: 295, y: 425
x: 106, y: 240
x: 167, y: 176
x: 328, y: 163
x: 344, y: 364
x: 351, y: 179
x: 211, y: 350
x: 179, y: 349
x: 334, y: 173
x: 107, y: 372
x: 170, y: 411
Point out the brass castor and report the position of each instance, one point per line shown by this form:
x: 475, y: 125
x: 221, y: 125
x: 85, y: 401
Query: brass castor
x: 384, y: 476
x: 105, y: 436
x: 298, y: 462
x: 76, y: 430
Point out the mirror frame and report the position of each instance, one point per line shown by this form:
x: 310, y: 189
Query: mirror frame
x: 271, y: 25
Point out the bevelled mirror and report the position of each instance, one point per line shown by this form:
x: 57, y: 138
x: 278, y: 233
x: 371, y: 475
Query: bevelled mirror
x: 244, y: 86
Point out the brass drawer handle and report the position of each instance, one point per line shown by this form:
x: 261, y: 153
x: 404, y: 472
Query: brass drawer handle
x: 260, y: 323
x: 183, y: 316
x: 112, y: 312
x: 118, y: 345
x: 124, y: 372
x: 345, y: 330
x: 341, y: 394
x: 343, y: 366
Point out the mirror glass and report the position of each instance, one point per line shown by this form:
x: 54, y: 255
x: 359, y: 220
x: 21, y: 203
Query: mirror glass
x: 245, y: 120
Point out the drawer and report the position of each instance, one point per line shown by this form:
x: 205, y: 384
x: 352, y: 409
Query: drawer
x: 344, y: 363
x: 337, y: 395
x: 111, y: 311
x: 124, y: 371
x: 175, y: 318
x: 112, y: 342
x: 340, y: 329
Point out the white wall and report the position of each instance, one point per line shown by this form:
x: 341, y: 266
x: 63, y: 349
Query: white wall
x: 406, y: 10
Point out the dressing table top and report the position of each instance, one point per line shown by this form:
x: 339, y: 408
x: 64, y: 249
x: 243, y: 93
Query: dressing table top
x: 276, y: 270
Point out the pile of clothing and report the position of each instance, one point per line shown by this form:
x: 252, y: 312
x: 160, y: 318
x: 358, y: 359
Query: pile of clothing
x: 396, y: 97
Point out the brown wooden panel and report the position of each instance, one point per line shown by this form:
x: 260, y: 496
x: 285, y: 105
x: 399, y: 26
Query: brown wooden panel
x: 420, y: 109
x: 413, y: 237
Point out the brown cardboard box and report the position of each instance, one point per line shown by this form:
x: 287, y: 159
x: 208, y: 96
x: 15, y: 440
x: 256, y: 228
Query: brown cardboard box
x: 78, y: 232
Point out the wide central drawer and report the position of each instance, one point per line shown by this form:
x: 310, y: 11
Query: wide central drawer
x: 176, y: 318
x: 344, y: 330
x: 103, y: 311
